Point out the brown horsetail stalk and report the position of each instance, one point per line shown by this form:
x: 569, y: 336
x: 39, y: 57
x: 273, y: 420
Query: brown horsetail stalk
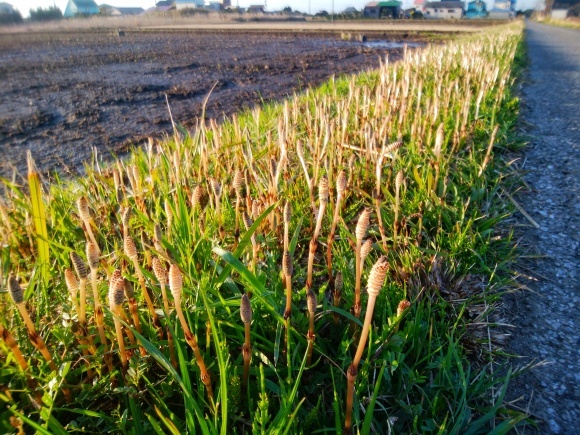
x: 360, y: 232
x: 161, y: 275
x: 131, y: 252
x: 391, y: 152
x: 93, y: 258
x: 323, y: 201
x: 85, y: 215
x: 82, y: 272
x: 439, y: 138
x: 133, y: 308
x: 216, y: 188
x: 337, y: 293
x: 73, y: 287
x: 11, y: 343
x: 116, y: 298
x: 398, y: 183
x: 17, y: 295
x: 19, y: 357
x: 176, y: 286
x: 487, y: 158
x: 248, y: 223
x: 287, y: 270
x: 340, y: 190
x: 311, y: 304
x: 246, y: 315
x: 309, y: 182
x: 374, y: 285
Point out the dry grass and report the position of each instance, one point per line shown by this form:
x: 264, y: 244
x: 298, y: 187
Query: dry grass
x: 235, y: 22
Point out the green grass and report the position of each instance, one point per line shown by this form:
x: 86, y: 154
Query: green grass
x: 428, y: 371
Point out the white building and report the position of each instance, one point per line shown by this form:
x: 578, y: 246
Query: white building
x: 446, y: 10
x: 189, y: 4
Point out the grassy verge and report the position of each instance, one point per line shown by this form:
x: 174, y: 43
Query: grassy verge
x: 570, y: 23
x: 399, y: 166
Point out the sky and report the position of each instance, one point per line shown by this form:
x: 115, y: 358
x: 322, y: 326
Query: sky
x: 300, y: 5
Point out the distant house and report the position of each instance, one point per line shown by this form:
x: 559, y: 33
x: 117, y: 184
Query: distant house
x: 189, y: 4
x: 256, y: 9
x: 6, y: 8
x: 113, y: 11
x: 476, y: 9
x: 80, y: 7
x: 500, y: 14
x: 560, y: 14
x: 350, y: 11
x: 389, y: 9
x: 162, y: 6
x: 450, y: 10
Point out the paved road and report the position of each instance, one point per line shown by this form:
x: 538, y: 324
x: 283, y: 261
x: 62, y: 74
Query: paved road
x: 548, y: 317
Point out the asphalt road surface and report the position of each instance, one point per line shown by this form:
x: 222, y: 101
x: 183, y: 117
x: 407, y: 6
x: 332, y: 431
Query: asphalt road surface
x: 548, y: 316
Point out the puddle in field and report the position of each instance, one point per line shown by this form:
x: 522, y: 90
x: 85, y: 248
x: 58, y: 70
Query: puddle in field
x: 392, y: 44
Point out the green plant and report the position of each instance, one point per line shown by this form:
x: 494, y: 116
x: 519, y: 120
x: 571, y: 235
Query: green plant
x: 420, y: 368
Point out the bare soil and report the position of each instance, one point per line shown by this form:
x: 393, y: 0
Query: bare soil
x: 64, y: 93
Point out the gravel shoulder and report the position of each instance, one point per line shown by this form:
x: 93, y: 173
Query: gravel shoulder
x: 547, y: 317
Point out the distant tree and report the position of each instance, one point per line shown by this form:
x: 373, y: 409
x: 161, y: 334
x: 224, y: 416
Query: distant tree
x: 11, y: 18
x: 287, y: 10
x: 322, y: 14
x: 51, y: 13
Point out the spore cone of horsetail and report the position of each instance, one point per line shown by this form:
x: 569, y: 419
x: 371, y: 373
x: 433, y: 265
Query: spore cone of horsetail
x: 125, y: 219
x: 85, y: 215
x: 248, y: 222
x: 17, y: 295
x: 82, y: 272
x: 360, y: 232
x: 403, y: 305
x: 72, y: 285
x: 287, y: 270
x: 238, y: 184
x: 366, y: 249
x: 287, y: 217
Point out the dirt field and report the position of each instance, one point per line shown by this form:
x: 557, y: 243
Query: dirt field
x: 64, y: 93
